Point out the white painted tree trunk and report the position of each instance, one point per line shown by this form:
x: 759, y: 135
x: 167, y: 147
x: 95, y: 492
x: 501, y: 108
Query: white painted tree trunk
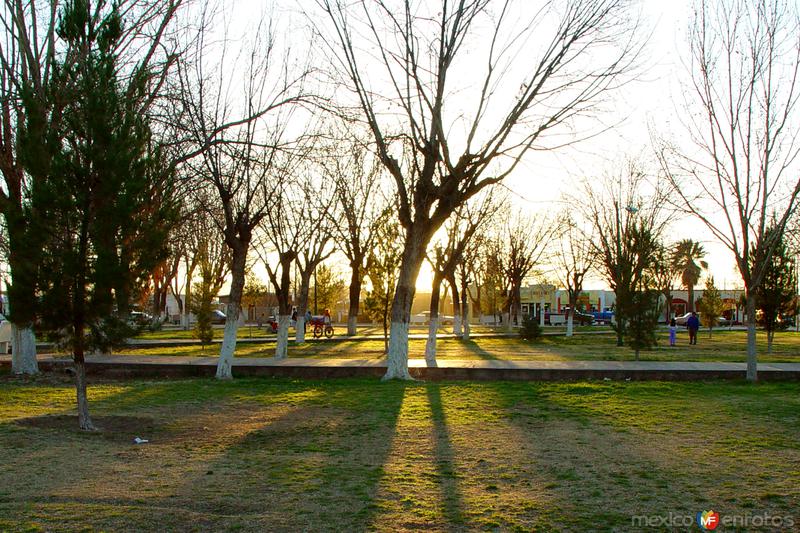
x: 466, y: 333
x: 752, y: 356
x: 23, y: 351
x: 355, y: 296
x: 228, y: 348
x: 282, y: 342
x: 187, y: 299
x: 300, y: 329
x: 417, y: 239
x: 397, y: 359
x: 430, y: 346
x: 570, y: 321
x: 457, y: 325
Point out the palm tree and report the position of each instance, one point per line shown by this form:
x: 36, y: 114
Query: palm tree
x: 687, y: 259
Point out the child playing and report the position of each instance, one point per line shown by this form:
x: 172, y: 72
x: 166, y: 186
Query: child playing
x: 673, y: 327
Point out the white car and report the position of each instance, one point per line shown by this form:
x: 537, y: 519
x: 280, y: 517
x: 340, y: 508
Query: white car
x: 681, y: 320
x: 425, y: 316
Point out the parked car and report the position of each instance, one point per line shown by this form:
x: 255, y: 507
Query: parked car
x: 218, y: 317
x: 425, y: 318
x: 555, y: 319
x: 681, y: 320
x: 603, y: 317
x: 580, y: 318
x: 139, y: 318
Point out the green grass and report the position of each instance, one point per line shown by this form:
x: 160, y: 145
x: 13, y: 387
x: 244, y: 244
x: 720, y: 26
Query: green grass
x: 352, y: 455
x: 722, y: 346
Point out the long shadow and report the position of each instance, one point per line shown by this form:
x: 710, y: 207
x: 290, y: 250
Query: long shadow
x: 444, y: 454
x: 473, y: 347
x: 595, y: 443
x: 316, y: 466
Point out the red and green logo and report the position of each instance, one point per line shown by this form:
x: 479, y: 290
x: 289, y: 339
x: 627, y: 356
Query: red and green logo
x: 707, y: 520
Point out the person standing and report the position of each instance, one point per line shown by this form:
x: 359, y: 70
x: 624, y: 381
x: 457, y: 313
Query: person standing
x: 693, y: 325
x: 673, y: 329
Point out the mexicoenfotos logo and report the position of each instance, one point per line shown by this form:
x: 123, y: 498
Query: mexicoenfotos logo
x: 707, y: 520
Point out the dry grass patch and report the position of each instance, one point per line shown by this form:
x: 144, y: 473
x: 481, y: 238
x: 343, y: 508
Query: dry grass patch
x: 280, y: 454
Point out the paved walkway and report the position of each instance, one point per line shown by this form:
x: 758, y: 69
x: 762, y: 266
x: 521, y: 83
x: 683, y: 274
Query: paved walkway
x: 130, y: 366
x: 174, y: 343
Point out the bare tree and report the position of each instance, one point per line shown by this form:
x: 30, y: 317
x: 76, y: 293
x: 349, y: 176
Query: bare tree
x: 282, y: 235
x: 238, y: 133
x: 402, y: 61
x: 574, y: 260
x: 518, y: 247
x: 628, y: 220
x: 447, y: 255
x: 663, y: 275
x: 477, y: 265
x: 315, y: 233
x: 356, y: 173
x: 741, y: 168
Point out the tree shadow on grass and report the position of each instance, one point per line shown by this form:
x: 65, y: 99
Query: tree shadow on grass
x: 473, y: 347
x: 444, y: 458
x: 600, y: 442
x: 317, y: 465
x: 256, y: 454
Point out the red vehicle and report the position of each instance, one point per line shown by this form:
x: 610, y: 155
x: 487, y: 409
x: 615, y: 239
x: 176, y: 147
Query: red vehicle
x: 321, y: 326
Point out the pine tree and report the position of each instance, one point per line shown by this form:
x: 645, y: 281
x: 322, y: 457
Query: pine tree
x: 776, y: 296
x: 710, y: 305
x: 643, y: 311
x: 329, y: 288
x: 106, y: 194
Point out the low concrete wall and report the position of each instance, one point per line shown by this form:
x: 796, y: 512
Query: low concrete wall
x: 322, y: 371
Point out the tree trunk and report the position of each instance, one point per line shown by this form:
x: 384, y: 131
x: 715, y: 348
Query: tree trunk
x: 24, y: 253
x: 690, y: 289
x: 573, y: 300
x: 233, y: 309
x: 355, y: 299
x: 302, y: 306
x: 78, y: 359
x: 465, y: 311
x: 187, y: 308
x: 78, y: 326
x: 752, y: 356
x: 282, y: 342
x: 515, y: 304
x: 433, y: 324
x: 23, y: 351
x: 430, y: 345
x: 770, y: 336
x: 84, y: 420
x: 397, y: 356
x: 456, y: 307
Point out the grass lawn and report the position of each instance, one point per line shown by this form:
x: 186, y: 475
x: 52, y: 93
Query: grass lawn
x: 350, y: 455
x: 722, y: 346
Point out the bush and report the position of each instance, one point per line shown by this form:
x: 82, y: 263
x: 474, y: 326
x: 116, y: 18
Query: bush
x: 530, y: 330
